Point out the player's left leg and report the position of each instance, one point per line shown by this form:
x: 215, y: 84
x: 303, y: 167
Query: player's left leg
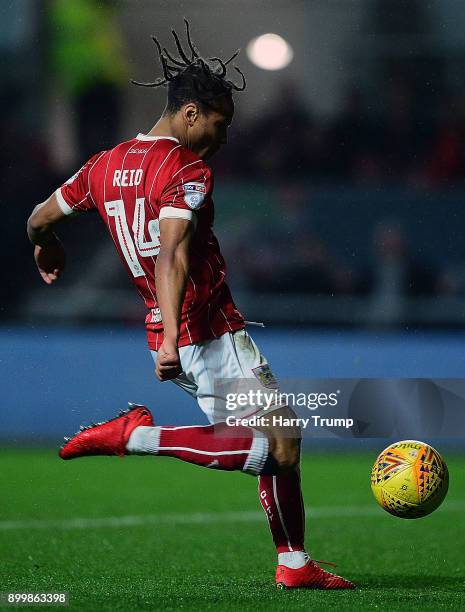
x: 282, y: 500
x: 281, y: 495
x: 280, y: 491
x: 268, y: 452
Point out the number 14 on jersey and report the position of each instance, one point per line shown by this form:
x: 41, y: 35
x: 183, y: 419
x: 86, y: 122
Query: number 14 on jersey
x: 130, y: 247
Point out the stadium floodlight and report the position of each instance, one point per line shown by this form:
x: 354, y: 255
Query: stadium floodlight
x: 270, y: 52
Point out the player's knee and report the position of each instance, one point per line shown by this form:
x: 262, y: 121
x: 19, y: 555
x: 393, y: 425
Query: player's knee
x: 287, y: 454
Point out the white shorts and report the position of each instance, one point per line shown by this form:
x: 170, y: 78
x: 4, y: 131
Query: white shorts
x: 216, y: 370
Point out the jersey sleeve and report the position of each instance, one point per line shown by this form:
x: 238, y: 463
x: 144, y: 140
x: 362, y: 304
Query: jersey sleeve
x: 75, y: 195
x: 187, y: 191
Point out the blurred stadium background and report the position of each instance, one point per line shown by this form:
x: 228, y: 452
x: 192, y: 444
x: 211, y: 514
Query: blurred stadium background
x: 339, y: 197
x: 339, y: 204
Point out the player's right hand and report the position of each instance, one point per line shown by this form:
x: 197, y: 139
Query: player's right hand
x: 168, y: 361
x: 50, y: 260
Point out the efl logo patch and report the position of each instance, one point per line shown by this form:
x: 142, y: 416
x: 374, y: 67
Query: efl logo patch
x: 265, y: 376
x: 194, y: 194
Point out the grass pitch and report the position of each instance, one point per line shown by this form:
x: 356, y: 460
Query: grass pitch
x: 145, y: 533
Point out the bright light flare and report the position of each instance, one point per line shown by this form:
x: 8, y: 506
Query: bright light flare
x: 270, y: 52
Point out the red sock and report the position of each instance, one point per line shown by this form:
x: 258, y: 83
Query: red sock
x: 215, y: 446
x: 282, y: 501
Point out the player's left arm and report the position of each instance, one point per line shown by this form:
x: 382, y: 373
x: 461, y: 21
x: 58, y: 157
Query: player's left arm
x: 171, y: 273
x: 49, y: 253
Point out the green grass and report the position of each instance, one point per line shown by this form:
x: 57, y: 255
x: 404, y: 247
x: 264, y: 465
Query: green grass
x: 221, y: 565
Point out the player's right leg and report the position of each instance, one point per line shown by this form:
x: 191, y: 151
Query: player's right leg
x: 216, y: 446
x: 213, y: 446
x: 270, y: 452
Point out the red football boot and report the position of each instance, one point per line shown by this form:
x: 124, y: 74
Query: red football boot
x: 108, y: 438
x: 310, y: 576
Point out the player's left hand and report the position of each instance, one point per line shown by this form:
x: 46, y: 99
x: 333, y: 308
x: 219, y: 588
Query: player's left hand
x: 168, y: 362
x: 50, y: 260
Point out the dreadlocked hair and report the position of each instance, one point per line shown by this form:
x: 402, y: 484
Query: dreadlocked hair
x: 192, y: 78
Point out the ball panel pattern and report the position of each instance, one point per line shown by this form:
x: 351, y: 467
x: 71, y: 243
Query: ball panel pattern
x: 409, y: 479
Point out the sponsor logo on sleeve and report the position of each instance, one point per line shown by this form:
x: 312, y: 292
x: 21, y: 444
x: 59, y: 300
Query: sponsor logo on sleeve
x: 194, y: 194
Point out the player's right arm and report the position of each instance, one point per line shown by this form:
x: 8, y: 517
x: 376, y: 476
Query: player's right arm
x: 171, y: 273
x: 49, y: 253
x: 73, y: 196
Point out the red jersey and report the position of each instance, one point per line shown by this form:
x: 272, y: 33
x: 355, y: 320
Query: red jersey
x: 133, y: 187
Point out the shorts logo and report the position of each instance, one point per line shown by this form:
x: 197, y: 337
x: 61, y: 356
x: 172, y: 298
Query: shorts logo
x: 194, y: 194
x: 155, y: 315
x: 265, y: 376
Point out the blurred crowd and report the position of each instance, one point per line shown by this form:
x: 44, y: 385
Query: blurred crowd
x: 387, y: 139
x: 287, y: 149
x: 391, y: 142
x: 390, y: 136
